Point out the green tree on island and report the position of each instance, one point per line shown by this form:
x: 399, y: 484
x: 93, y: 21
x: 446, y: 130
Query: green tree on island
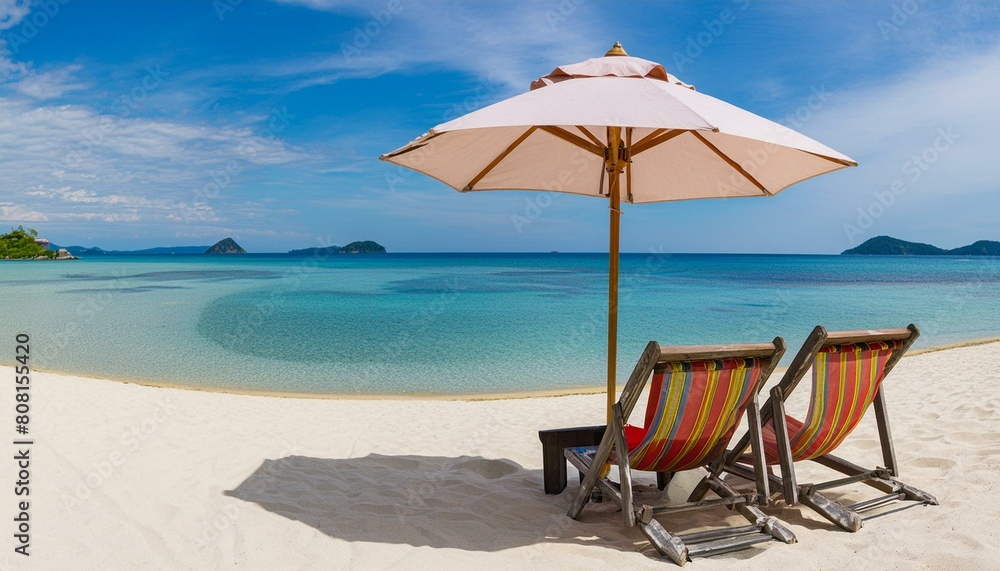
x: 20, y: 244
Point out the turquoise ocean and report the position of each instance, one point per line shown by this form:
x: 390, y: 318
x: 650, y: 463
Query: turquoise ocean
x: 456, y: 323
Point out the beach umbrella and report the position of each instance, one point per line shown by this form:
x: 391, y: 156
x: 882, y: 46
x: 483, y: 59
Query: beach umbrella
x: 620, y: 128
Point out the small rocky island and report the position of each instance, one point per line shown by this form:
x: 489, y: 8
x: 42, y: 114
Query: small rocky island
x: 227, y: 246
x: 21, y: 244
x: 889, y: 246
x: 362, y: 247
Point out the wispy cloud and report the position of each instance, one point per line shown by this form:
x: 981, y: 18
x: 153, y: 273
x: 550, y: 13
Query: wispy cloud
x: 13, y: 212
x: 885, y: 124
x: 87, y: 161
x: 490, y: 40
x: 60, y: 159
x: 50, y: 84
x: 12, y: 12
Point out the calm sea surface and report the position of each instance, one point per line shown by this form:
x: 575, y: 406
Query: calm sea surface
x: 456, y: 323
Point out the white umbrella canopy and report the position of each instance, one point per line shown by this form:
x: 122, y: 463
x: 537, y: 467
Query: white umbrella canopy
x: 685, y: 144
x: 673, y: 143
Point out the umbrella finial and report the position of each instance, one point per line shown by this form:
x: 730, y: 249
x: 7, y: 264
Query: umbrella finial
x: 616, y: 50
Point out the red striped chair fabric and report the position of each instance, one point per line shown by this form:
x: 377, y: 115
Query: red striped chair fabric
x: 845, y: 381
x: 693, y: 410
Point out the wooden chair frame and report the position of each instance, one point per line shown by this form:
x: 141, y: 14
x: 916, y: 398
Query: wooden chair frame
x: 655, y: 358
x: 881, y: 478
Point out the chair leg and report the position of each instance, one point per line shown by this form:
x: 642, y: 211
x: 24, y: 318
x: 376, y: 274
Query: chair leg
x: 665, y: 543
x: 884, y: 434
x: 778, y: 530
x: 831, y: 510
x: 848, y: 517
x: 915, y: 495
x: 753, y: 514
x: 757, y: 448
x: 624, y: 470
x: 789, y: 489
x: 593, y: 473
x: 770, y: 525
x: 887, y: 485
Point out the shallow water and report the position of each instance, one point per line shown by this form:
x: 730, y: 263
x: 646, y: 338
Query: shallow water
x: 457, y: 323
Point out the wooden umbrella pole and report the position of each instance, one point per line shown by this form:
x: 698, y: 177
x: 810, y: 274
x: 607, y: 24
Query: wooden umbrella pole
x: 612, y: 165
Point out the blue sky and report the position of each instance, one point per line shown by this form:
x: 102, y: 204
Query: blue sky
x: 138, y: 124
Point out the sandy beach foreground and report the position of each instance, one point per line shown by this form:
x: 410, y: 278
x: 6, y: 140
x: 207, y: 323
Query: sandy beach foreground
x: 124, y: 476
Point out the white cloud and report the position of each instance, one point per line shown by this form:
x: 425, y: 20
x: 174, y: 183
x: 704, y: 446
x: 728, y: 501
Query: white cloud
x: 15, y: 213
x: 75, y: 163
x: 102, y: 216
x: 487, y: 40
x: 68, y: 194
x: 12, y: 12
x: 884, y: 125
x: 70, y: 157
x: 944, y: 113
x: 51, y: 84
x: 9, y: 69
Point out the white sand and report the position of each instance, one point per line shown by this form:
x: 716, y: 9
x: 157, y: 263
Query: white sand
x: 132, y: 477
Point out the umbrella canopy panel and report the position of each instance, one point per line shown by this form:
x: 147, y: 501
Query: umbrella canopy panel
x: 682, y: 144
x: 689, y: 165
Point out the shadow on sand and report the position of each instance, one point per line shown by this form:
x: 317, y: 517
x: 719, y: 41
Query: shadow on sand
x: 469, y: 503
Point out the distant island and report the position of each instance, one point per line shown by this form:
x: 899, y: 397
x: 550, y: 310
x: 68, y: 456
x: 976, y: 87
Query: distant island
x: 159, y: 251
x: 889, y: 246
x: 21, y: 244
x: 363, y: 247
x: 226, y: 246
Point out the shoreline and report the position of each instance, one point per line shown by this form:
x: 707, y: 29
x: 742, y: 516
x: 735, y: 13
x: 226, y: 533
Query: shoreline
x: 514, y: 395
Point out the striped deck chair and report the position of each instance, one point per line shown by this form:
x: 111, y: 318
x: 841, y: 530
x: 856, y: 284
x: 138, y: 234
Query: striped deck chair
x: 848, y: 370
x: 696, y: 401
